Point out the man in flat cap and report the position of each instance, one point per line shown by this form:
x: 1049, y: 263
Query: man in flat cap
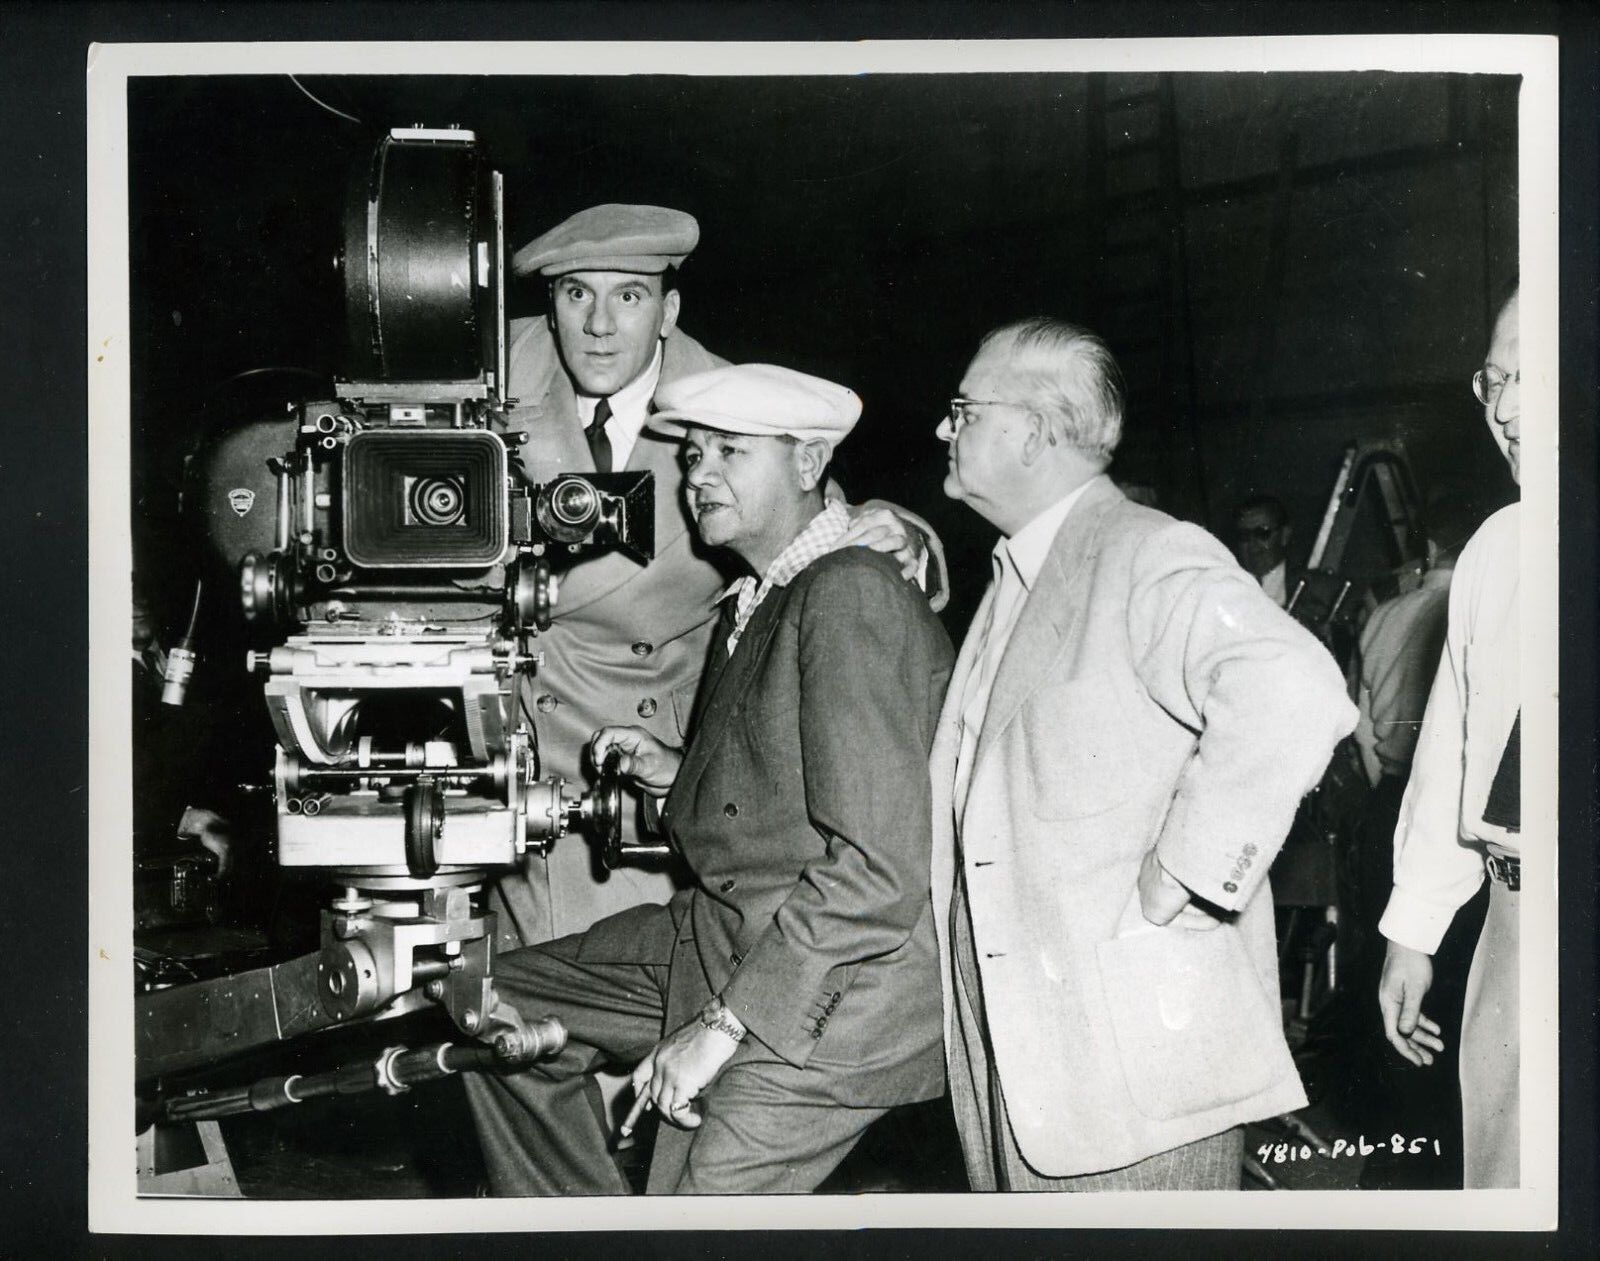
x: 786, y: 999
x: 628, y: 643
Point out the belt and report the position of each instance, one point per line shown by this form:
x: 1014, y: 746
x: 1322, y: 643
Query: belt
x: 1507, y: 870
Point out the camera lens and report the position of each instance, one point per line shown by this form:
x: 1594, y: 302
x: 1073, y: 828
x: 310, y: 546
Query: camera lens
x: 574, y: 502
x: 438, y: 501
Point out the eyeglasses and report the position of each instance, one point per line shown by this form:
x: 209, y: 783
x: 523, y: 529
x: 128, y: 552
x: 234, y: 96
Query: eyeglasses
x: 1488, y: 381
x: 957, y: 415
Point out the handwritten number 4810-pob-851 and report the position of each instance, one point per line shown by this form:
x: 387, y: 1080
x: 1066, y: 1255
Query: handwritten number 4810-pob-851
x: 1397, y: 1144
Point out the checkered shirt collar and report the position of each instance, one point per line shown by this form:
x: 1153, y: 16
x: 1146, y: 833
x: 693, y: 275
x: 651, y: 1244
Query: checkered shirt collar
x: 812, y: 543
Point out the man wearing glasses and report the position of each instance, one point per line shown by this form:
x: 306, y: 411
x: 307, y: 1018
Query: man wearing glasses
x: 1261, y: 532
x: 1461, y: 815
x: 1128, y: 730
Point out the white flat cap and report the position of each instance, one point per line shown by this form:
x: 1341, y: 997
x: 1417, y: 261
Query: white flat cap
x: 757, y: 398
x: 645, y: 240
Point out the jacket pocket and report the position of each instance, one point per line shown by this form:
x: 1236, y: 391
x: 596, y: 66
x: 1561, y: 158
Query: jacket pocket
x: 1193, y: 1029
x: 1078, y: 750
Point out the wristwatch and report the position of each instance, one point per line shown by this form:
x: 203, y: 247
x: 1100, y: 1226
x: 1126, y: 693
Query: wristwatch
x: 715, y: 1015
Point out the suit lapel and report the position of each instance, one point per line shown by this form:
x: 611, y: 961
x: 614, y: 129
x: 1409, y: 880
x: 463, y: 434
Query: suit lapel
x: 1049, y: 619
x: 725, y: 684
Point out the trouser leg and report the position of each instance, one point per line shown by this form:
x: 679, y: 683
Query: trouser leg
x: 1491, y: 1058
x: 758, y: 1135
x: 968, y: 1059
x: 538, y: 1126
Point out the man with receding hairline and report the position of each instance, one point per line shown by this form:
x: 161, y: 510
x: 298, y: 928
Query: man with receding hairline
x: 1128, y: 730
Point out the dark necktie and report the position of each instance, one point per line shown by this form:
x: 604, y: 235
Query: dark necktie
x: 599, y: 443
x: 1504, y: 807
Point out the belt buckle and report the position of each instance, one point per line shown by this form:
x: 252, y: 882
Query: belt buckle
x: 1508, y: 871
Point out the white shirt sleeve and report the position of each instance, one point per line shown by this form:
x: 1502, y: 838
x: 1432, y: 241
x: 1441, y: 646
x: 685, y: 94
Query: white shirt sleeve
x: 1434, y: 873
x: 1438, y: 864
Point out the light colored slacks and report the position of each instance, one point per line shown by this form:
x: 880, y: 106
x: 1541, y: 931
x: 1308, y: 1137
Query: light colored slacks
x: 1491, y: 1050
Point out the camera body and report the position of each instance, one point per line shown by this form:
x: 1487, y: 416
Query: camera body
x: 395, y: 569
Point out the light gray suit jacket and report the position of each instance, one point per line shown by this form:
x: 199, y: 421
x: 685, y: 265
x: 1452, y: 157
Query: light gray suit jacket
x: 1150, y: 695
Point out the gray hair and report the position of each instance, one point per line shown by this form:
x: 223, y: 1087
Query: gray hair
x: 1071, y: 378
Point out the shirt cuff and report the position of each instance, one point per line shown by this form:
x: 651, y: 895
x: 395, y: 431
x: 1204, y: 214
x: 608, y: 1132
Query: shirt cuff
x: 1410, y: 920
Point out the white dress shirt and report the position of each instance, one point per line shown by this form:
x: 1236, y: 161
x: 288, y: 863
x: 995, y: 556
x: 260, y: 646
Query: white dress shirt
x: 1438, y: 846
x: 1275, y: 582
x: 1017, y: 562
x: 630, y: 408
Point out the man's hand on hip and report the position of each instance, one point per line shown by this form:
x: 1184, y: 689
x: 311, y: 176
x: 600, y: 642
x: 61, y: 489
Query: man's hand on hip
x: 1161, y: 897
x: 1407, y: 977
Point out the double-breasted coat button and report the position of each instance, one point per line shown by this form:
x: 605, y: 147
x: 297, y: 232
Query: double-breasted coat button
x: 643, y: 649
x: 731, y: 810
x: 647, y: 707
x: 1230, y: 887
x: 727, y: 886
x: 546, y: 703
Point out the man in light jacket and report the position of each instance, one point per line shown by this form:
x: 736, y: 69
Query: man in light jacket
x: 1130, y: 725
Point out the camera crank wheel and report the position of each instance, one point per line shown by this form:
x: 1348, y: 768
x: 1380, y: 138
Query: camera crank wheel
x: 424, y: 825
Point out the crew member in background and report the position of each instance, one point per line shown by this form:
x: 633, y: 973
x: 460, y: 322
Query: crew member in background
x: 789, y: 997
x: 1128, y: 730
x: 1261, y: 542
x: 1461, y: 815
x: 628, y: 642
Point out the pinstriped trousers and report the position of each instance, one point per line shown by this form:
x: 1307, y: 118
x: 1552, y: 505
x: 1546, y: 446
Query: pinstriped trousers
x: 994, y: 1162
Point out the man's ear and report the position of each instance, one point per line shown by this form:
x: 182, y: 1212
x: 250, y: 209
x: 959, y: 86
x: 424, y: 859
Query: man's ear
x: 1036, y: 438
x: 669, y: 312
x: 810, y: 462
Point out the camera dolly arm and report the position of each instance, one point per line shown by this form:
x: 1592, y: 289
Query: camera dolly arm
x: 396, y: 1070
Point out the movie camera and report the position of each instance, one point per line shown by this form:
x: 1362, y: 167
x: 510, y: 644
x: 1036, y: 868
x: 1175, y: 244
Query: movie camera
x: 395, y: 569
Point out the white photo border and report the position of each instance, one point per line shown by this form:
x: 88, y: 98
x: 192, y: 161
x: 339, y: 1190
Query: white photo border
x: 113, y: 1202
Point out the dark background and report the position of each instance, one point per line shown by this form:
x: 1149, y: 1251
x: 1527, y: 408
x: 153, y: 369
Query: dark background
x: 1283, y: 262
